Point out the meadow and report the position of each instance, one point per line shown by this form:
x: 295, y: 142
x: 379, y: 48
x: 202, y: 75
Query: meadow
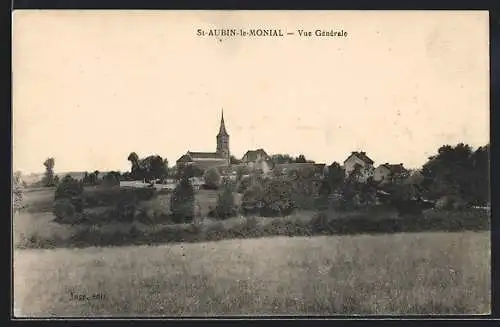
x: 424, y: 273
x: 430, y: 272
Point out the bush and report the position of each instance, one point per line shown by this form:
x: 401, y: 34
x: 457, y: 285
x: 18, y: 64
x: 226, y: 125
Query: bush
x: 112, y: 178
x: 269, y: 198
x: 182, y: 202
x: 17, y: 197
x: 71, y: 189
x: 64, y: 211
x: 125, y: 210
x: 450, y: 203
x: 212, y: 179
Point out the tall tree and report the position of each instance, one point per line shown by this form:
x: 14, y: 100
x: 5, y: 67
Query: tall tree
x: 450, y: 173
x: 480, y: 162
x: 182, y: 201
x: 17, y: 178
x: 301, y: 159
x: 48, y: 179
x: 165, y: 167
x: 135, y: 171
x: 282, y: 158
x: 152, y: 168
x: 335, y: 177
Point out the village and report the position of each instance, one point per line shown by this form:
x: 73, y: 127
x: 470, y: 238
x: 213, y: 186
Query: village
x: 259, y: 162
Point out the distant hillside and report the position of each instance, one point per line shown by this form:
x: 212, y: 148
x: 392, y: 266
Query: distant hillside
x: 35, y: 177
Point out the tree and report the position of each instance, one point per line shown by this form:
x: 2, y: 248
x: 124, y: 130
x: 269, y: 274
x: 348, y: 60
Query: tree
x: 301, y: 159
x: 135, y: 171
x: 241, y: 171
x: 152, y: 168
x: 450, y: 173
x: 335, y: 177
x: 225, y: 203
x: 251, y: 201
x: 277, y: 198
x: 282, y: 158
x: 212, y: 178
x: 112, y: 178
x: 17, y: 178
x: 182, y: 202
x: 70, y: 189
x: 48, y: 179
x: 479, y: 188
x: 165, y: 168
x: 17, y: 191
x: 234, y: 160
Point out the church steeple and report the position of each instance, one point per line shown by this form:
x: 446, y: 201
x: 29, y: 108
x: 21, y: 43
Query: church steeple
x: 222, y: 128
x: 223, y: 140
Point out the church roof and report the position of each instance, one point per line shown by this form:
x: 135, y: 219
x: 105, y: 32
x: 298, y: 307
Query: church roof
x: 199, y: 156
x: 204, y: 155
x: 222, y: 129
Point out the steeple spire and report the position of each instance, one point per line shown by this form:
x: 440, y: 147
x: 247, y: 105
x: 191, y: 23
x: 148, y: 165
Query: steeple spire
x: 222, y: 129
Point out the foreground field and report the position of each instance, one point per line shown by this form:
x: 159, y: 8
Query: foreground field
x: 425, y: 273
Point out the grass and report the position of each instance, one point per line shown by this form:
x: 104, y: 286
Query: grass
x: 425, y: 273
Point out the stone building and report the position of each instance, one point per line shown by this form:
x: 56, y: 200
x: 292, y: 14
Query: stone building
x: 206, y: 160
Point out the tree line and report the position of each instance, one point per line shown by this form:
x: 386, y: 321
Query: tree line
x: 454, y: 171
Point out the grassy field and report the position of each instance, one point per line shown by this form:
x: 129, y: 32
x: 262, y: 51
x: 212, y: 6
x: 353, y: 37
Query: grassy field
x: 37, y: 219
x: 424, y: 273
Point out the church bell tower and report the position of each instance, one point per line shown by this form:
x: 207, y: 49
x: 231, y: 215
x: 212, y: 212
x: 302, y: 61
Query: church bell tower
x: 223, y: 140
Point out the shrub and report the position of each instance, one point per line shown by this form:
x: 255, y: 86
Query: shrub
x: 182, y: 202
x: 71, y: 189
x: 64, y: 211
x: 17, y: 197
x: 112, y: 178
x: 145, y: 194
x: 212, y: 179
x: 125, y: 210
x: 450, y: 203
x: 269, y: 198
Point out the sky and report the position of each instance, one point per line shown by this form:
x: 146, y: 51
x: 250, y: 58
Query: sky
x: 89, y: 87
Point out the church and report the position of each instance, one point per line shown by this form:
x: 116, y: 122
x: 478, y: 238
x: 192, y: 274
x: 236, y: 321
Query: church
x: 205, y: 160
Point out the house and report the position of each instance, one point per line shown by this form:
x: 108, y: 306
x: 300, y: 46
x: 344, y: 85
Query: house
x: 258, y: 160
x: 206, y: 160
x: 361, y: 161
x: 387, y: 172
